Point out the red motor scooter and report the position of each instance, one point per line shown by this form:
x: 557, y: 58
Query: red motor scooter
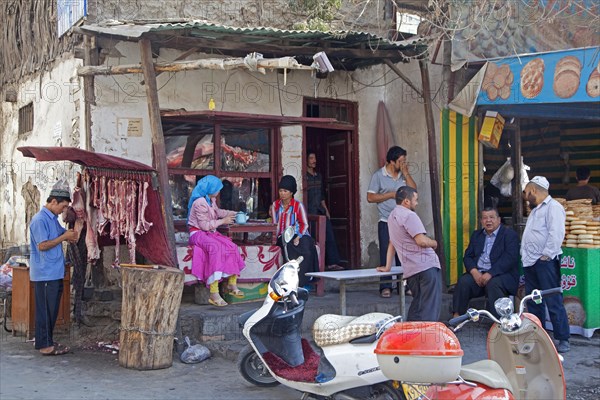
x: 522, y: 360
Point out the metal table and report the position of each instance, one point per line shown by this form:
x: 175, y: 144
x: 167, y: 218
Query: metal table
x: 360, y: 277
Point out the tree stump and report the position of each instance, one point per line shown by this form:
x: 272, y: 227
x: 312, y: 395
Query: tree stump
x: 149, y: 311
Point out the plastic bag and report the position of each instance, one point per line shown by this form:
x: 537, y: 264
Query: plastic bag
x: 503, y: 177
x: 194, y: 354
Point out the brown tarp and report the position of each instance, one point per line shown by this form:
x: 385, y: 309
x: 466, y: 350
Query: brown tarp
x: 384, y: 134
x: 153, y: 245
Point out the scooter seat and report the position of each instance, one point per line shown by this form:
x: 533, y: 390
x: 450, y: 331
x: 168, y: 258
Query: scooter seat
x: 330, y: 329
x: 488, y: 372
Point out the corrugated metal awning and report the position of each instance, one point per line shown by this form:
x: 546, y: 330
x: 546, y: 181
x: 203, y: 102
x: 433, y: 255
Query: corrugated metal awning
x: 347, y: 49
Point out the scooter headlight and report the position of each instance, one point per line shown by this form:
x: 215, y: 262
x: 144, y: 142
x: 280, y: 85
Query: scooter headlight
x: 285, y: 280
x: 504, y: 306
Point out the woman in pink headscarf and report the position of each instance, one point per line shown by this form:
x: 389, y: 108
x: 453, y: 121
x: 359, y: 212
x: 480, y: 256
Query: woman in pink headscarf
x: 215, y: 256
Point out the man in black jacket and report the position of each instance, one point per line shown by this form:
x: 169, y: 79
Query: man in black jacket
x: 491, y: 261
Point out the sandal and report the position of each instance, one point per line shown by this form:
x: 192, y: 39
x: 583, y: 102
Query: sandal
x: 386, y: 293
x: 219, y: 302
x: 57, y: 351
x: 237, y: 293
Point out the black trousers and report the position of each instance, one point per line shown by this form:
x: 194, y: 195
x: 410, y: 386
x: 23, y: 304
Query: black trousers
x: 545, y: 275
x: 384, y: 239
x: 307, y: 249
x: 426, y: 288
x: 332, y: 255
x: 47, y: 303
x: 466, y: 289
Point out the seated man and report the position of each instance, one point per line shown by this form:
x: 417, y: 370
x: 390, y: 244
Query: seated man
x: 584, y: 190
x: 491, y: 261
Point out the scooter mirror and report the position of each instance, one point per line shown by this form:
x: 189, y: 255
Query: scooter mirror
x: 288, y: 234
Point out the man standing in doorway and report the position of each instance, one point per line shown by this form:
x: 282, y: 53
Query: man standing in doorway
x: 382, y: 191
x: 420, y: 263
x: 317, y: 206
x: 47, y: 266
x: 540, y: 253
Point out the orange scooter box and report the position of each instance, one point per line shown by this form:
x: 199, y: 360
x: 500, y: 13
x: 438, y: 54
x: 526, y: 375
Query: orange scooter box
x: 419, y: 352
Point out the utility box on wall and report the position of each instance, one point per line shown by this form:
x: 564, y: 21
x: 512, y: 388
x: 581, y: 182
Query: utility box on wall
x: 491, y: 130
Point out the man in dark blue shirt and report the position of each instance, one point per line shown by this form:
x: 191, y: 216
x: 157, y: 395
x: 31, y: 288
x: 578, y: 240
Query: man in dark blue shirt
x: 47, y: 266
x: 316, y: 205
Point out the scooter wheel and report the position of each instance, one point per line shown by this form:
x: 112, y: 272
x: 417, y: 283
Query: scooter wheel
x: 385, y: 391
x: 253, y: 369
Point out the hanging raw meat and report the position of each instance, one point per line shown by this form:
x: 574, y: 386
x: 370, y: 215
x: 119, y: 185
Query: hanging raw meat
x: 143, y: 226
x: 91, y: 239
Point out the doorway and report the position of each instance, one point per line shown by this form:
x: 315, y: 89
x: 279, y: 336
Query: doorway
x: 336, y: 163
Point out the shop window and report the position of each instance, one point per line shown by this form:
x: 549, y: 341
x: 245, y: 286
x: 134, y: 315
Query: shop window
x: 243, y: 164
x: 341, y: 111
x: 26, y: 119
x: 190, y: 146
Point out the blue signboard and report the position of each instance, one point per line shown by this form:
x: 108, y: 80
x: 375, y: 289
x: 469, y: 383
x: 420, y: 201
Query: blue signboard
x: 69, y: 13
x: 558, y: 77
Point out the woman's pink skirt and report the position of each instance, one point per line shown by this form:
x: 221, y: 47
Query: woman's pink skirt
x: 215, y: 257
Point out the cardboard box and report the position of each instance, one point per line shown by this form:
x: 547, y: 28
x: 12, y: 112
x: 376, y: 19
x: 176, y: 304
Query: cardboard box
x: 252, y: 292
x: 491, y: 130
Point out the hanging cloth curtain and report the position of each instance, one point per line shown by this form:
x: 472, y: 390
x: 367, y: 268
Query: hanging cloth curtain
x: 384, y: 135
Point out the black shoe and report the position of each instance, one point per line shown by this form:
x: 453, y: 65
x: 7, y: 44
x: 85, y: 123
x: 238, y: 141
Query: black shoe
x: 563, y: 346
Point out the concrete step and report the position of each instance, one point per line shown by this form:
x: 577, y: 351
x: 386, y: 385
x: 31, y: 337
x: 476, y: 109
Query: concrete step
x: 218, y: 329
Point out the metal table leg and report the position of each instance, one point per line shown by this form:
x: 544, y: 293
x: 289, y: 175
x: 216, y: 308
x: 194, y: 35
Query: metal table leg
x: 401, y: 296
x: 343, y: 297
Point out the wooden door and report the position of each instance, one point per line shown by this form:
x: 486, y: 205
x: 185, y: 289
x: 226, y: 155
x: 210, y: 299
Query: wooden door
x: 338, y: 178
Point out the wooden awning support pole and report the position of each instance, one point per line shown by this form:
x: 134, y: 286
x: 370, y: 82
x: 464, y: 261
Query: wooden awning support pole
x: 517, y: 194
x: 159, y: 161
x: 433, y: 166
x: 403, y: 77
x: 90, y: 58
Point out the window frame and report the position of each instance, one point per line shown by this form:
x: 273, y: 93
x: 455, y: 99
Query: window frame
x: 274, y: 173
x: 26, y: 119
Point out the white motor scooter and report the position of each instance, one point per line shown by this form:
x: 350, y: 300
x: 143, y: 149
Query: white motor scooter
x: 344, y: 359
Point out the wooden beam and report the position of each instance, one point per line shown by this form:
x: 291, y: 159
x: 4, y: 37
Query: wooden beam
x: 393, y: 67
x: 90, y: 58
x: 180, y: 57
x: 208, y: 63
x: 237, y: 43
x: 433, y: 166
x: 158, y: 144
x: 517, y: 197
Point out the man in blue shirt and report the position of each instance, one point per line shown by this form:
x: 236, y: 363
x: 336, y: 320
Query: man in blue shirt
x: 47, y: 266
x: 492, y: 264
x: 540, y: 253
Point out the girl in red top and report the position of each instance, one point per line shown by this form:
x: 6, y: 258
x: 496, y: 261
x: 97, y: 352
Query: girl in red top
x: 289, y: 212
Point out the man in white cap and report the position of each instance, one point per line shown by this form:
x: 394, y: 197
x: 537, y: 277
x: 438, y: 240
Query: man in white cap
x: 47, y: 266
x: 540, y: 253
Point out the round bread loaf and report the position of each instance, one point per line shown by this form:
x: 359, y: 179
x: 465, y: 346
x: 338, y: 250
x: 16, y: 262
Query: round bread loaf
x: 579, y: 231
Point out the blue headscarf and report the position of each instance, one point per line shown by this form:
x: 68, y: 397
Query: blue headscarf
x: 206, y: 186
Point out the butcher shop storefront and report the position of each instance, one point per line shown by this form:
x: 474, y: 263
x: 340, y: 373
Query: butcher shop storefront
x: 243, y: 150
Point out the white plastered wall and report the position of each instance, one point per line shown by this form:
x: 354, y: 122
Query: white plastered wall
x: 56, y: 96
x: 122, y: 97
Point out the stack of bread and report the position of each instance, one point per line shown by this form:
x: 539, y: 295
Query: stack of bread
x: 596, y: 212
x: 582, y: 231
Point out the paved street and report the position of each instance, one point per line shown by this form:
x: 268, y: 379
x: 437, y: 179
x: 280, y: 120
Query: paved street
x: 92, y: 374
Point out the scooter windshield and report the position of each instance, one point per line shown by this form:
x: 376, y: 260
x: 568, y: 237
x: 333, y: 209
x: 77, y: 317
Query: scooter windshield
x: 285, y: 280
